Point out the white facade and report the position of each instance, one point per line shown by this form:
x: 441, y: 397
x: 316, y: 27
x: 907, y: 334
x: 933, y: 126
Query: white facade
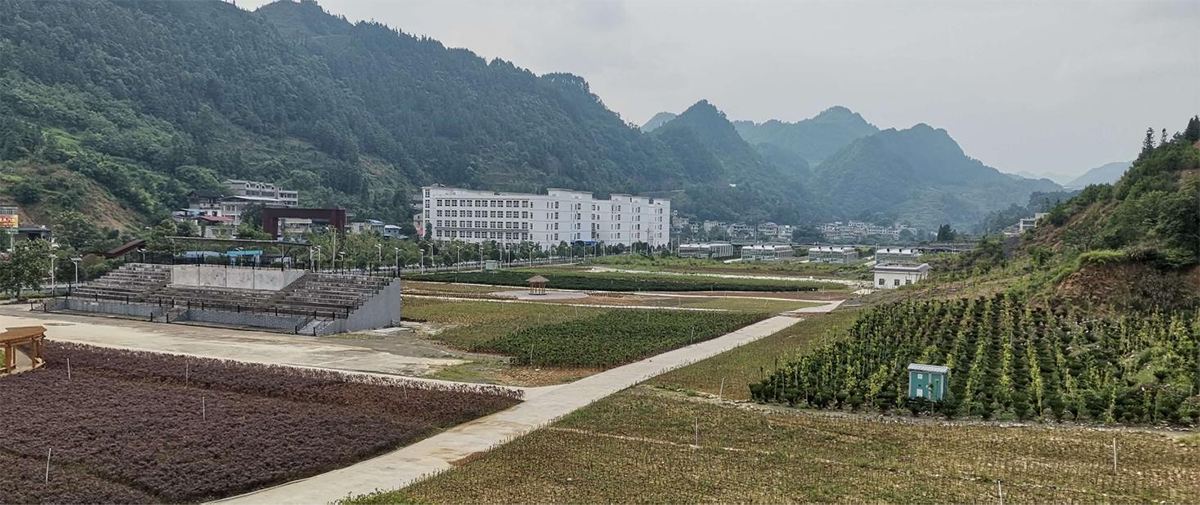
x: 561, y: 215
x: 286, y: 197
x: 836, y: 255
x: 894, y: 276
x: 766, y: 252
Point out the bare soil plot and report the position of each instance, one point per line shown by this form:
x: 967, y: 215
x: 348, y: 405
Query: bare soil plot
x: 141, y: 427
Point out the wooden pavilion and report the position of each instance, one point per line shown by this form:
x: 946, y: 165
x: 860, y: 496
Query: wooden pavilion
x: 26, y: 340
x: 537, y: 285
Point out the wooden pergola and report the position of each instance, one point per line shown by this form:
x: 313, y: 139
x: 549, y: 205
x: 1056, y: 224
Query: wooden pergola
x: 537, y: 285
x: 28, y: 341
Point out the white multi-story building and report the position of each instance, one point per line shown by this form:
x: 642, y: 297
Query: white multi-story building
x: 561, y: 215
x: 285, y: 197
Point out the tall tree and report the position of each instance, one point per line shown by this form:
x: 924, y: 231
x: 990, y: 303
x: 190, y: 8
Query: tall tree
x: 1147, y: 145
x: 1192, y: 132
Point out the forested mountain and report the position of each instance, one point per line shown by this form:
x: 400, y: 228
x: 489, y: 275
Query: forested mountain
x: 1107, y: 173
x: 811, y: 139
x: 920, y: 175
x: 117, y: 109
x: 658, y: 120
x: 707, y: 143
x: 149, y: 100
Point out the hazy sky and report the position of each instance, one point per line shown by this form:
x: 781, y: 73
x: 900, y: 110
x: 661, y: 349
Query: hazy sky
x: 1047, y: 87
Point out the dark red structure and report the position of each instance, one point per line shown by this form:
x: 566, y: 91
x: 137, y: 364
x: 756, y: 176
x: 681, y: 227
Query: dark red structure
x: 333, y: 218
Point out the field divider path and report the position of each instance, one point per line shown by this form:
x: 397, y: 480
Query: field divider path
x: 495, y: 300
x: 437, y: 453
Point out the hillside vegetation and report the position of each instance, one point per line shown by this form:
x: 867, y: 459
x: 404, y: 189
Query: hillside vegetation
x: 119, y: 109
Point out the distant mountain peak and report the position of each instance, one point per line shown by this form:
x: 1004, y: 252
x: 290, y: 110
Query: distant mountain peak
x: 658, y: 120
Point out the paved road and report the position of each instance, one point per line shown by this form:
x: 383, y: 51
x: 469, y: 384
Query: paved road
x: 406, y: 465
x: 223, y: 343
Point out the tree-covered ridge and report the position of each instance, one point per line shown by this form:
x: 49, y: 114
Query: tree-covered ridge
x: 1152, y: 214
x: 919, y: 174
x: 729, y: 172
x: 356, y: 115
x: 1007, y: 360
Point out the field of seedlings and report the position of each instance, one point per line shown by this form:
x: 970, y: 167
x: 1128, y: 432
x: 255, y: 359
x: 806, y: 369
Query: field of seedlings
x: 1007, y: 361
x: 471, y: 323
x: 616, y: 281
x: 122, y: 426
x: 728, y: 373
x: 615, y: 337
x: 646, y: 446
x: 566, y: 336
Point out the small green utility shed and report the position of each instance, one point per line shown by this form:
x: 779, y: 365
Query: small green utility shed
x: 927, y: 381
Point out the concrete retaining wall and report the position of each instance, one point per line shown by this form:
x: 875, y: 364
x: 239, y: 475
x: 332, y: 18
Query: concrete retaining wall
x: 221, y: 276
x: 141, y: 310
x: 380, y: 311
x: 280, y: 323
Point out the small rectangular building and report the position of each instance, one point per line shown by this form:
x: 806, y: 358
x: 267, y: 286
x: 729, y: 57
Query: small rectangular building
x: 897, y: 256
x: 894, y: 276
x: 767, y: 252
x: 706, y: 251
x: 831, y: 254
x: 927, y: 381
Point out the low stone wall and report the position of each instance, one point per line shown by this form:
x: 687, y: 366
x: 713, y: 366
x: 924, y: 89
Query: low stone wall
x: 221, y: 276
x: 141, y: 310
x: 245, y: 319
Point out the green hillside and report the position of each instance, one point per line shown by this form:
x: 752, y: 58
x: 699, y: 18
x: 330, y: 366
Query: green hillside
x: 707, y: 143
x: 920, y: 175
x: 149, y: 100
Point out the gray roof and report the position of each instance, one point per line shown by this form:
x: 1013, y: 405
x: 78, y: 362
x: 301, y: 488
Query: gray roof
x: 918, y: 367
x: 888, y: 267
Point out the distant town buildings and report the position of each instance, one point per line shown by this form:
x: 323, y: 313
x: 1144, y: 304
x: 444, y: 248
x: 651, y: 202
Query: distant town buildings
x: 833, y: 254
x: 767, y: 252
x: 859, y: 230
x: 706, y: 251
x: 894, y: 276
x: 561, y: 215
x: 1025, y: 224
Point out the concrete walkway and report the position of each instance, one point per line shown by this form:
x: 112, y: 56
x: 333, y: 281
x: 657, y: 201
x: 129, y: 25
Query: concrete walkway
x: 406, y: 465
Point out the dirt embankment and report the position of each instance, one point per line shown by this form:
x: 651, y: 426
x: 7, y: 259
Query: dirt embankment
x: 1131, y: 287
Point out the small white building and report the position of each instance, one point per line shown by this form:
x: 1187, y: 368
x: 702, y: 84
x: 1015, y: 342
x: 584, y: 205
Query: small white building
x: 894, y: 276
x: 897, y: 255
x: 1029, y: 223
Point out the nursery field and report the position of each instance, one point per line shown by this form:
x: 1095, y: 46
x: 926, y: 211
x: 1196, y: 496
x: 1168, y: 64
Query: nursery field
x: 567, y: 336
x: 471, y: 323
x: 614, y: 337
x: 727, y: 374
x: 1007, y: 361
x: 123, y: 426
x: 616, y: 281
x: 649, y: 446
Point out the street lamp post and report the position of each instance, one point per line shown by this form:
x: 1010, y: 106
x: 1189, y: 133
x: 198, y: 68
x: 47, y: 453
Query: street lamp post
x: 52, y: 286
x: 379, y: 263
x: 76, y: 261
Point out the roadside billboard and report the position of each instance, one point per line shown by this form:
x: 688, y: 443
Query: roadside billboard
x: 9, y: 220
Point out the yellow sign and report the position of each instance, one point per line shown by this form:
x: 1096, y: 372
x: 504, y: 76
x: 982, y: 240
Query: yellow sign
x: 8, y: 221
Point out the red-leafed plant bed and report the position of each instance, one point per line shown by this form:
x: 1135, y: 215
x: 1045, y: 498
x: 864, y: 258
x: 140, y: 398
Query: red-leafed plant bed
x: 137, y: 427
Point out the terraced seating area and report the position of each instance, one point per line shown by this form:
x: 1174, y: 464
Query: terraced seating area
x: 328, y: 293
x: 213, y: 298
x: 132, y: 282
